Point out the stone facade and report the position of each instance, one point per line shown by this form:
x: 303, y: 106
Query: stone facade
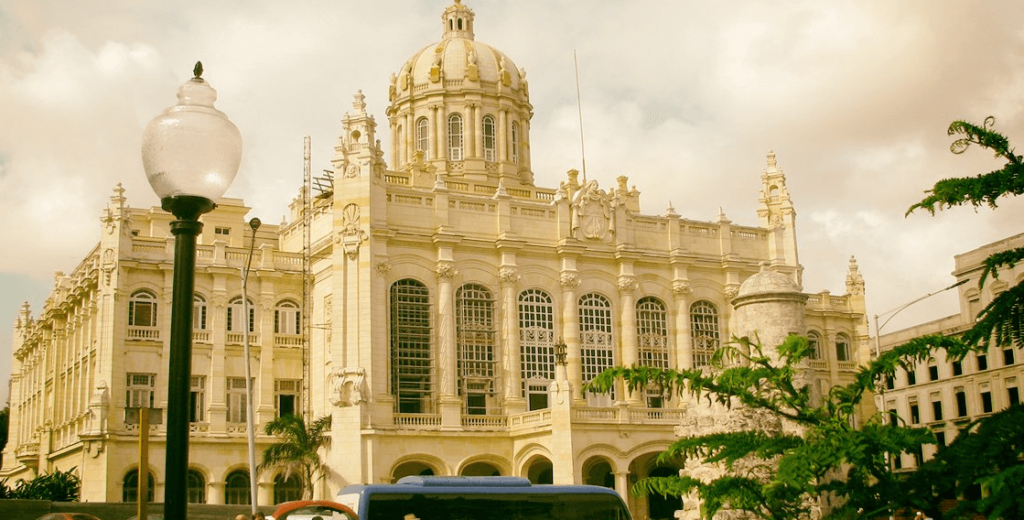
x: 425, y: 317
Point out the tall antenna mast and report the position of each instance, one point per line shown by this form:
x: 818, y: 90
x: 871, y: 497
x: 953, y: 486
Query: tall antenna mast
x: 307, y: 280
x: 579, y: 107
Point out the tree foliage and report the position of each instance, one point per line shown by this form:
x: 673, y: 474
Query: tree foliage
x: 822, y: 458
x: 988, y: 453
x: 59, y: 486
x: 297, y: 450
x: 1002, y: 320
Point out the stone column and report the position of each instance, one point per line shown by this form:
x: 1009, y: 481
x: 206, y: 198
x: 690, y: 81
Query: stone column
x: 470, y: 133
x: 451, y: 405
x: 502, y: 135
x: 437, y: 140
x: 570, y: 280
x: 511, y: 362
x: 622, y: 484
x: 684, y: 341
x: 627, y: 300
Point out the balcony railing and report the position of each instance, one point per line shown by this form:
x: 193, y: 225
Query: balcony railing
x: 143, y: 333
x: 235, y: 338
x: 288, y: 340
x: 417, y: 420
x: 484, y: 422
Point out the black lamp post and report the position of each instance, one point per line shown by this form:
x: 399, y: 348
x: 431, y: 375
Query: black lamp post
x: 191, y: 154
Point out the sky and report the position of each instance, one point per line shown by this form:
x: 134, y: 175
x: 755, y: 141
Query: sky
x: 685, y: 98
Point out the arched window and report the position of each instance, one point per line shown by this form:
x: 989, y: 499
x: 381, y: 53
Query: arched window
x: 814, y: 340
x: 455, y: 137
x: 652, y: 332
x: 703, y: 331
x: 515, y: 142
x: 474, y: 322
x: 198, y: 312
x: 411, y: 360
x: 235, y: 314
x: 490, y: 148
x: 842, y: 348
x: 423, y: 137
x: 595, y: 335
x: 287, y: 318
x: 196, y: 487
x: 652, y: 341
x: 236, y: 488
x: 130, y: 487
x: 536, y: 346
x: 287, y: 489
x: 142, y: 309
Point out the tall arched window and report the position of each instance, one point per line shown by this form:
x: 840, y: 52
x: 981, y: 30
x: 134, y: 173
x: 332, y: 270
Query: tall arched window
x: 652, y: 341
x: 287, y: 318
x: 514, y: 138
x: 536, y: 346
x: 595, y: 335
x: 490, y: 139
x: 411, y: 360
x: 196, y: 487
x: 130, y: 487
x: 236, y: 488
x: 198, y: 312
x: 474, y: 322
x: 652, y: 332
x: 142, y: 309
x: 455, y: 137
x: 287, y: 489
x: 843, y: 347
x: 423, y: 136
x: 235, y: 313
x: 704, y: 331
x: 814, y: 340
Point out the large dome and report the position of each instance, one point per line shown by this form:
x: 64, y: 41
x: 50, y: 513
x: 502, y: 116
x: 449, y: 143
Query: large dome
x: 462, y: 108
x: 458, y: 57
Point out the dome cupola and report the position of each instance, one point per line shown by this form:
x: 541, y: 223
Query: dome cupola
x: 461, y: 108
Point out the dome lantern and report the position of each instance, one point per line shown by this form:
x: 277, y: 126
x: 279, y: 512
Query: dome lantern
x: 458, y: 21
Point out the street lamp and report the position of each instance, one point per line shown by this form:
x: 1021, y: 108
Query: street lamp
x: 191, y: 154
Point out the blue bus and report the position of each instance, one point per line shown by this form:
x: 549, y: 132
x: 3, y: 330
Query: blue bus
x: 481, y: 498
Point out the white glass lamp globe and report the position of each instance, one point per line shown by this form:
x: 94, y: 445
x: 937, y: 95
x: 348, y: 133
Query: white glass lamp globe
x: 192, y: 149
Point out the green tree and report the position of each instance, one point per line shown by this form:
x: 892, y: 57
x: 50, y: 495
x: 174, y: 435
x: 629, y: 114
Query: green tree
x: 819, y: 460
x: 59, y: 486
x: 297, y: 449
x: 988, y: 453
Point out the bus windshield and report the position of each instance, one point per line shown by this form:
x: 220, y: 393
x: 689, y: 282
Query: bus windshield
x: 495, y: 506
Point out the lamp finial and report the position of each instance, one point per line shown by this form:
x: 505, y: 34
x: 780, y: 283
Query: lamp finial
x: 198, y: 70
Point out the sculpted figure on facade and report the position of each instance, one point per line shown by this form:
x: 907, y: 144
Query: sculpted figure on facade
x: 682, y: 288
x: 591, y: 211
x: 445, y: 270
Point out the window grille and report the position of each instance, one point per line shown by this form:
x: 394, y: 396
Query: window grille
x: 411, y: 357
x: 704, y: 332
x: 595, y: 317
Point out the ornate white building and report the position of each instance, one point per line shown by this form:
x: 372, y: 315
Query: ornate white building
x: 418, y: 299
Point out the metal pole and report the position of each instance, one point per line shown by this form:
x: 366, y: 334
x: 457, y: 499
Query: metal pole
x: 179, y: 371
x: 143, y: 473
x: 249, y: 420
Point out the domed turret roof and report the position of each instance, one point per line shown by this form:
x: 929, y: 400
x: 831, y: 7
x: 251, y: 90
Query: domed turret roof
x: 767, y: 281
x: 457, y: 51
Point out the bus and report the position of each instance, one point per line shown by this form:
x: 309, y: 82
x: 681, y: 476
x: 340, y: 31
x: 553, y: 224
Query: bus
x: 481, y: 498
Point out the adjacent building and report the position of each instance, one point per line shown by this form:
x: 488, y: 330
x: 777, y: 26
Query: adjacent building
x: 422, y: 295
x: 945, y: 395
